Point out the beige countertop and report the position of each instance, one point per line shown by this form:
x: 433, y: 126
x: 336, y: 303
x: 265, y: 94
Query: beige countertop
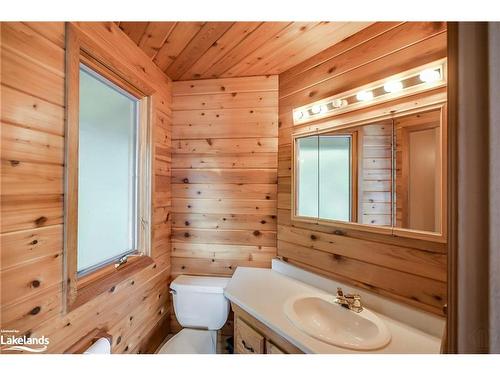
x: 263, y: 293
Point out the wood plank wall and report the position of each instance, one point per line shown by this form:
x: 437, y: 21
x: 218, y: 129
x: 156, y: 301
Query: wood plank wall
x: 135, y: 311
x: 224, y: 174
x: 375, y: 174
x: 410, y: 271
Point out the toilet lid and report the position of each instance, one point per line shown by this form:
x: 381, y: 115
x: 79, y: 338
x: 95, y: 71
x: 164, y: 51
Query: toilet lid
x: 191, y: 341
x: 204, y: 284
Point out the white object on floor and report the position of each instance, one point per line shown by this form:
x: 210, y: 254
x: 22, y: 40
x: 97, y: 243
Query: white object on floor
x: 101, y: 346
x: 191, y: 341
x: 199, y: 303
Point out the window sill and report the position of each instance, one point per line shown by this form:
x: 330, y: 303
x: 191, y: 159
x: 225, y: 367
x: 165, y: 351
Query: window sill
x: 100, y: 281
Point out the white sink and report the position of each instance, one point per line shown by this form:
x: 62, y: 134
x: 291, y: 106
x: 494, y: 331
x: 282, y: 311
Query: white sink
x: 320, y: 317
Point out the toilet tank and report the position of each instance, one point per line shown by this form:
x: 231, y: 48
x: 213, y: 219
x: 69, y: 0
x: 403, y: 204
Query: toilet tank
x: 199, y: 301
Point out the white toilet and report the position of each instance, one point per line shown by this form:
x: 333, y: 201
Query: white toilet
x: 202, y: 309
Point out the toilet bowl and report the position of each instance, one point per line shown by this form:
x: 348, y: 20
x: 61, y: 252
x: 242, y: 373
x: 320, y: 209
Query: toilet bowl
x: 201, y: 309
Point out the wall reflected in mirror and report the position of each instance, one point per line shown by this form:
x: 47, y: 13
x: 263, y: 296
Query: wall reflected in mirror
x: 382, y: 173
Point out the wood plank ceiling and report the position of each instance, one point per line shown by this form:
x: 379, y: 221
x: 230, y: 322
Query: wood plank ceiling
x: 201, y: 50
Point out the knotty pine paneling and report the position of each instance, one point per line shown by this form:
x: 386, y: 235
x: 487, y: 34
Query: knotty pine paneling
x: 224, y: 175
x: 205, y: 50
x: 411, y: 271
x: 136, y: 310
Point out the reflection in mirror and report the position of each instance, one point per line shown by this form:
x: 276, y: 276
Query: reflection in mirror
x: 308, y: 172
x: 345, y: 175
x: 385, y: 173
x: 418, y: 171
x: 375, y: 180
x: 335, y: 177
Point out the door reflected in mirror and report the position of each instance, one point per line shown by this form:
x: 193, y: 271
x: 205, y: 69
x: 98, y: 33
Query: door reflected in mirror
x: 382, y: 173
x: 418, y: 171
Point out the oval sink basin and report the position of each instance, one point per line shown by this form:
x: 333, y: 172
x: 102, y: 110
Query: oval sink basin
x: 320, y: 317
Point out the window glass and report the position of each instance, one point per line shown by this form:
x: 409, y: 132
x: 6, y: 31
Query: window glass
x: 307, y: 179
x: 335, y: 177
x: 107, y: 172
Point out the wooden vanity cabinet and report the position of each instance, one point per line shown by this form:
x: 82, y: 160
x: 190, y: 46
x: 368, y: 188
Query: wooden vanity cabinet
x: 252, y: 337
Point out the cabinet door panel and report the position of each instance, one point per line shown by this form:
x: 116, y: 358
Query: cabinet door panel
x: 247, y: 340
x: 273, y: 349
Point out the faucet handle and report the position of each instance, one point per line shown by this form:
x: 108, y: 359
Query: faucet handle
x: 356, y: 303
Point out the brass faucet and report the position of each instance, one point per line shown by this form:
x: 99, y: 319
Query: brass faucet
x: 349, y: 301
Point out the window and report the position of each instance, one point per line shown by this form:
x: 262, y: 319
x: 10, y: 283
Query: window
x: 107, y: 172
x: 324, y: 181
x: 108, y: 183
x: 335, y: 178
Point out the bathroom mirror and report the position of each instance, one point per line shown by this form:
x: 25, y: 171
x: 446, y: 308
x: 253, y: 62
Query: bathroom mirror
x: 383, y: 174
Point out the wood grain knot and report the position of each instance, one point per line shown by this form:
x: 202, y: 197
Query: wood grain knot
x: 256, y: 233
x: 35, y: 283
x: 112, y: 289
x: 186, y: 223
x: 187, y: 235
x: 41, y: 220
x: 35, y: 310
x: 34, y: 242
x: 313, y: 237
x: 14, y: 163
x: 262, y: 221
x: 185, y: 180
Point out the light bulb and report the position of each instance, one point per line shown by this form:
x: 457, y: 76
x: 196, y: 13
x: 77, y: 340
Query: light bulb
x: 430, y: 75
x: 315, y: 109
x: 298, y: 115
x: 393, y: 86
x: 338, y: 103
x: 364, y: 96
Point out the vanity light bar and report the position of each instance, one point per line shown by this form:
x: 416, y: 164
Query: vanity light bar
x: 413, y: 81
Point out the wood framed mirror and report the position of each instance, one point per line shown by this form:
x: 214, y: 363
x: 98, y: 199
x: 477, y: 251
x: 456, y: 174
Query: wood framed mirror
x: 383, y: 170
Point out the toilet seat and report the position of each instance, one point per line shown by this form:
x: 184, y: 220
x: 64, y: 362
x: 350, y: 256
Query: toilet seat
x: 191, y: 341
